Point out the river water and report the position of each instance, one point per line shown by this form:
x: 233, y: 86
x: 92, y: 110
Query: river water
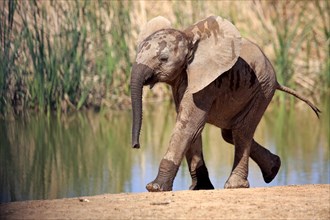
x: 89, y: 153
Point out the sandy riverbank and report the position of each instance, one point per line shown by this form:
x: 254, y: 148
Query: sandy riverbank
x: 281, y: 202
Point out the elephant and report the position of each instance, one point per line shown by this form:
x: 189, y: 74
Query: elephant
x: 216, y: 77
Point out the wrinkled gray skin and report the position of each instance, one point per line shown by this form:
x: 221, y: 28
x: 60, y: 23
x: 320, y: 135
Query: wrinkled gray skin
x: 234, y: 101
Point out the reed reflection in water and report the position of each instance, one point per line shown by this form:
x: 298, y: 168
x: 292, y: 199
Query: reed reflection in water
x: 89, y: 153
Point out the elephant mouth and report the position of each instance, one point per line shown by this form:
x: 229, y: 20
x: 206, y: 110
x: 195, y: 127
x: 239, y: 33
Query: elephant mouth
x: 150, y: 81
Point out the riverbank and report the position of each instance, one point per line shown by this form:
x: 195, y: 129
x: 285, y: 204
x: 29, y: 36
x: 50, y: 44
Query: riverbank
x: 280, y: 202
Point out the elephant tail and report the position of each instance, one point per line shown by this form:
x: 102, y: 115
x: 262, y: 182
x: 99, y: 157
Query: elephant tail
x: 294, y: 93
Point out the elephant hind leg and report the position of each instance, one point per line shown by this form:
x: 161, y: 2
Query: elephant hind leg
x: 197, y: 167
x: 239, y: 173
x: 227, y: 135
x: 268, y: 162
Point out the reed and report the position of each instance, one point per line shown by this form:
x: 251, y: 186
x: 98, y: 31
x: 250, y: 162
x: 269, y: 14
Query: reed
x: 8, y: 53
x: 58, y: 59
x: 69, y: 55
x: 291, y: 32
x: 292, y: 36
x: 323, y: 8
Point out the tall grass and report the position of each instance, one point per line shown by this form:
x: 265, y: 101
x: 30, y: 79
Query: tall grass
x: 299, y: 47
x: 68, y: 55
x: 288, y: 32
x: 58, y: 60
x: 323, y: 9
x: 68, y: 50
x: 8, y: 53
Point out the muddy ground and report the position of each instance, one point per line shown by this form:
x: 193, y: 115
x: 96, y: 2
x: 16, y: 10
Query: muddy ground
x: 281, y: 202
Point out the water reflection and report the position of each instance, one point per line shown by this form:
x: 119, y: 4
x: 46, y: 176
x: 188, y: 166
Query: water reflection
x: 89, y: 153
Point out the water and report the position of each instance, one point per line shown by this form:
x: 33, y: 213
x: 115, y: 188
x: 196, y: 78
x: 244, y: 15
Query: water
x: 89, y: 153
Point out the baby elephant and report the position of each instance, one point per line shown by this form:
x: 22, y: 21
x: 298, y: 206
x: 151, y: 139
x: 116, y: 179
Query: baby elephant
x: 216, y: 77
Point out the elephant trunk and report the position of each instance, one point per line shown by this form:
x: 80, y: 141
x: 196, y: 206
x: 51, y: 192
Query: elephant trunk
x: 140, y: 73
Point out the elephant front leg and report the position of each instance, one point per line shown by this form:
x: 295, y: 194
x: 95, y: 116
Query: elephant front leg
x: 170, y: 163
x: 166, y: 174
x: 197, y: 168
x: 239, y: 174
x: 189, y: 124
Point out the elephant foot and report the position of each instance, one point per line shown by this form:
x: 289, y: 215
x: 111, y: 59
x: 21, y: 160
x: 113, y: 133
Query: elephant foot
x: 270, y: 173
x: 154, y: 186
x: 164, y: 180
x: 235, y: 181
x: 201, y: 186
x: 201, y: 179
x: 268, y: 162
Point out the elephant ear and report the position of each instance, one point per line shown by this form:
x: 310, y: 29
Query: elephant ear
x: 217, y: 45
x: 153, y: 25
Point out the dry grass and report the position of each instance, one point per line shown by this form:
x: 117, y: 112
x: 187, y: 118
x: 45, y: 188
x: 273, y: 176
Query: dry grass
x: 67, y: 55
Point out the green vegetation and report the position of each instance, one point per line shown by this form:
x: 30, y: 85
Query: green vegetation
x: 295, y: 32
x: 67, y: 55
x: 8, y: 51
x: 61, y: 55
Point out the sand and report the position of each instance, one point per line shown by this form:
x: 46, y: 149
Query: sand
x: 280, y: 202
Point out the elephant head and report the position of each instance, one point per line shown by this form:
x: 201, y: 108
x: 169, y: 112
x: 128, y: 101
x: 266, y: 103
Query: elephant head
x: 203, y: 52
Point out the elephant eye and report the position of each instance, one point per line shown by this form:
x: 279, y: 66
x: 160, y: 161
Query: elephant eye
x: 163, y: 58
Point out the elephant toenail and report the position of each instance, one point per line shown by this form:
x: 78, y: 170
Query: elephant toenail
x: 155, y: 186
